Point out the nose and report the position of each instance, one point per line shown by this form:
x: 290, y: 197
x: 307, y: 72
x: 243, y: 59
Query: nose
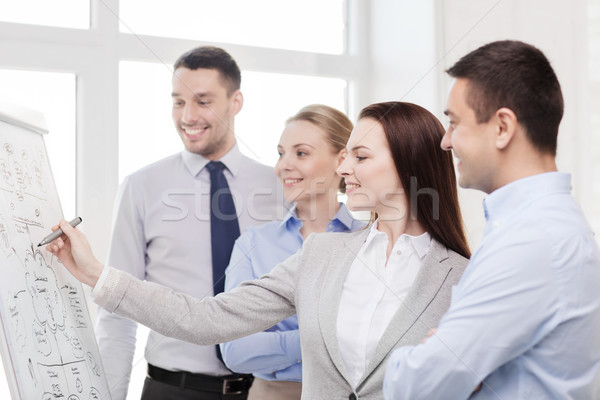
x: 189, y: 115
x: 345, y: 168
x: 283, y: 164
x: 446, y: 142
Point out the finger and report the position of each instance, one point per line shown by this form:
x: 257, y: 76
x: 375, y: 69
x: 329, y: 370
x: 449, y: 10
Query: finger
x: 431, y: 332
x: 55, y: 227
x: 67, y: 229
x: 52, y: 248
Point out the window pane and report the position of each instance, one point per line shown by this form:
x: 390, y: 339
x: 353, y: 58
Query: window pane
x: 145, y: 115
x: 269, y: 99
x: 309, y: 25
x: 63, y: 13
x: 53, y: 94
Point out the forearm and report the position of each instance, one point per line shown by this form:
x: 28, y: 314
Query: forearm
x: 249, y: 309
x: 263, y: 352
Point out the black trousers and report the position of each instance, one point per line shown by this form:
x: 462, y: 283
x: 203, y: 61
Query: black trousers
x: 155, y: 390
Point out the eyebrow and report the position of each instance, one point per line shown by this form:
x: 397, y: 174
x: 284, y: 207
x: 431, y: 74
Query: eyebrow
x: 449, y: 113
x: 359, y: 147
x: 196, y: 95
x: 297, y: 145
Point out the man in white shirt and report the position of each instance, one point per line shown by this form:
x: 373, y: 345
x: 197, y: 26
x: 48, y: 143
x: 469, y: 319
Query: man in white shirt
x: 162, y: 230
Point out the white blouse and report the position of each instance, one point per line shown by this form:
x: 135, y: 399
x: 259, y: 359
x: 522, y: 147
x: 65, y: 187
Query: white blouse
x: 372, y: 293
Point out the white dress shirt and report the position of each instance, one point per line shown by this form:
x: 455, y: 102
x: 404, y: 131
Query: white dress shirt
x: 161, y: 234
x: 372, y: 293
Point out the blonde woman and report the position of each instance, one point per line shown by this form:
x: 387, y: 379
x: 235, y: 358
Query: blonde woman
x: 311, y: 148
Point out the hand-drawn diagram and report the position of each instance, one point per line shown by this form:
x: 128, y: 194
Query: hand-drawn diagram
x: 45, y: 319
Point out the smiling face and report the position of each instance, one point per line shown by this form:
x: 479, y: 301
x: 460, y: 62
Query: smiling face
x: 472, y: 143
x: 372, y: 183
x: 203, y: 111
x: 307, y: 162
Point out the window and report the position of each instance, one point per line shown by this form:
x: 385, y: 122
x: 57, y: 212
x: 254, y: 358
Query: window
x: 269, y: 99
x: 310, y: 25
x: 63, y: 13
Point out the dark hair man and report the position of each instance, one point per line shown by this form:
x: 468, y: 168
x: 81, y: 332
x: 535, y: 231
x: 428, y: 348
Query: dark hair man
x: 524, y: 322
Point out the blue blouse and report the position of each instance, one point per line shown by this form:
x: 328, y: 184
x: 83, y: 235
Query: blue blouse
x: 275, y: 353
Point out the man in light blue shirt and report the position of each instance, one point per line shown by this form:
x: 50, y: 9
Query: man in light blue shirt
x: 524, y: 322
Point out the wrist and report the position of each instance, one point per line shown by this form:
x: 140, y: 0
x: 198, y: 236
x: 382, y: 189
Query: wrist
x: 94, y: 276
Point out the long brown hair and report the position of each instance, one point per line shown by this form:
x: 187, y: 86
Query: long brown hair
x: 425, y: 170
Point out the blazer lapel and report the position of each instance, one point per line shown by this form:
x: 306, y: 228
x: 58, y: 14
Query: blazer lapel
x: 331, y: 292
x: 428, y: 282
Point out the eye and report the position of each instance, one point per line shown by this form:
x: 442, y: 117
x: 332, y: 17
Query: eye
x: 177, y: 103
x: 280, y: 154
x: 361, y: 158
x: 301, y: 154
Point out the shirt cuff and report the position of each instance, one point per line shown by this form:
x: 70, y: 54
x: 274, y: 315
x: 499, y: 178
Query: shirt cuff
x: 100, y: 282
x: 292, y: 346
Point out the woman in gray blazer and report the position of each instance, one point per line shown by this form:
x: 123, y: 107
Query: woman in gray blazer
x: 358, y: 296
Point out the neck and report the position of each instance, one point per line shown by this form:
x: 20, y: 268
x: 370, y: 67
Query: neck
x: 396, y: 228
x: 531, y: 163
x: 315, y: 214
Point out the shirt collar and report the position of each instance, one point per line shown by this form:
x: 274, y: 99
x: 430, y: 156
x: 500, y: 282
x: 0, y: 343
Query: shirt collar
x: 419, y: 243
x: 195, y: 162
x: 343, y: 216
x: 508, y: 199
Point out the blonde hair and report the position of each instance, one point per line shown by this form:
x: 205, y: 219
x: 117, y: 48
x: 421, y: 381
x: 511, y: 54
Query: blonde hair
x: 335, y: 123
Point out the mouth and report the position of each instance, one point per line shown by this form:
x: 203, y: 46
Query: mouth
x: 288, y: 182
x: 194, y: 132
x: 351, y: 186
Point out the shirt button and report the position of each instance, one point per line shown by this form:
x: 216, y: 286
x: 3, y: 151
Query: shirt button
x: 496, y: 224
x: 398, y: 252
x: 352, y: 396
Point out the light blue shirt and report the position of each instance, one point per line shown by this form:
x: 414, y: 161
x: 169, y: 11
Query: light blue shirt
x: 275, y: 353
x: 525, y: 316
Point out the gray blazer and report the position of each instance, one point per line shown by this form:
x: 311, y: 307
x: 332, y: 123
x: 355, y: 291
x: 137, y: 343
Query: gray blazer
x: 308, y: 284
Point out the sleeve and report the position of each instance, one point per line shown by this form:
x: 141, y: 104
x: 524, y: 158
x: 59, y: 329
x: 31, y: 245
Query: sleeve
x: 264, y: 352
x: 252, y: 307
x: 505, y: 305
x: 116, y: 335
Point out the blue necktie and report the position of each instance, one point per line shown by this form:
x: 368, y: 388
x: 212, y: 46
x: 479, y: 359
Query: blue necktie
x: 224, y: 228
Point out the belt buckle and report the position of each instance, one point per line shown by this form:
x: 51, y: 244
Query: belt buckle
x: 227, y: 382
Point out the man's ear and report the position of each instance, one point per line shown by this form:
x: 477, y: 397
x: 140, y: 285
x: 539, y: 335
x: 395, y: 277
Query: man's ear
x: 506, y: 127
x: 237, y: 101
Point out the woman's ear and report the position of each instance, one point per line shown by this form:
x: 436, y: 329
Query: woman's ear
x: 341, y: 156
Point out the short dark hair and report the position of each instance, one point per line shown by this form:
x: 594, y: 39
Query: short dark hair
x: 210, y: 57
x: 414, y: 135
x: 518, y: 76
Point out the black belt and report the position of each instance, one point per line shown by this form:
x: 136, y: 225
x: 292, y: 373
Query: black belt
x: 228, y: 384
